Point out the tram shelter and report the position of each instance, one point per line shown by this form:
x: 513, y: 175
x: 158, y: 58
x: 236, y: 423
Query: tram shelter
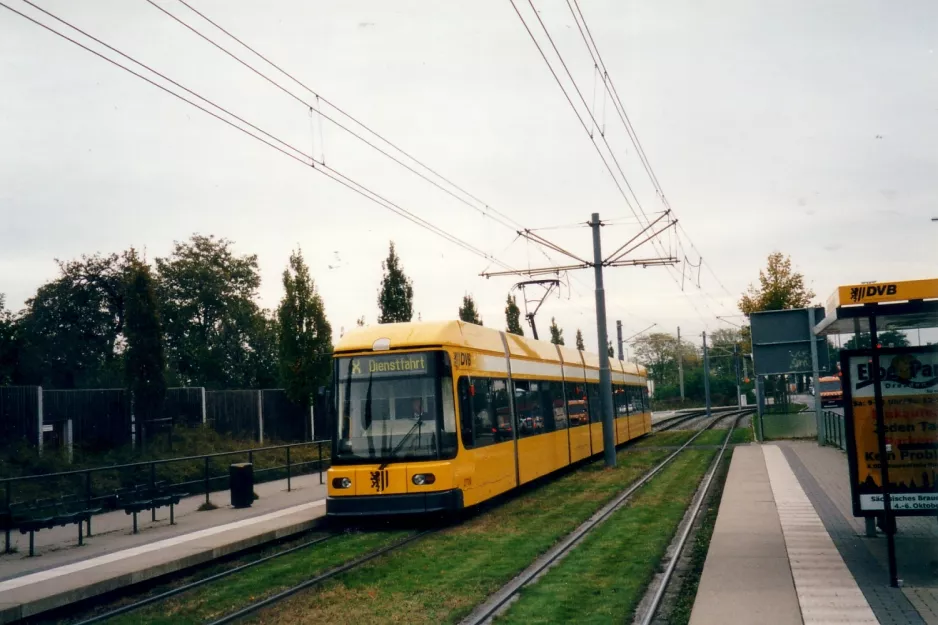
x: 890, y: 402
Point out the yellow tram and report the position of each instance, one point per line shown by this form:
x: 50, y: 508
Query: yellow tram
x: 438, y: 416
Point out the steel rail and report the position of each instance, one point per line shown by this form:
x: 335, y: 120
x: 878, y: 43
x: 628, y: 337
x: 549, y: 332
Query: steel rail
x: 701, y: 497
x: 487, y: 610
x: 348, y: 566
x: 175, y: 591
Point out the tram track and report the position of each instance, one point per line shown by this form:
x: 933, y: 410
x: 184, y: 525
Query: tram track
x: 500, y: 600
x: 651, y: 607
x: 256, y: 606
x: 99, y: 618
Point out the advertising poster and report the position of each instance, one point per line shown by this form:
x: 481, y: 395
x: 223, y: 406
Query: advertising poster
x: 909, y: 380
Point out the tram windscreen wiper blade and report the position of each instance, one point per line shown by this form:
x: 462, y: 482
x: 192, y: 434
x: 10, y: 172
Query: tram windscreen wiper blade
x: 403, y: 440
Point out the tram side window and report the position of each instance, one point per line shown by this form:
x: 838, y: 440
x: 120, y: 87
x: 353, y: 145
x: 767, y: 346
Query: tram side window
x: 501, y: 410
x: 475, y: 412
x: 594, y: 405
x: 528, y: 408
x: 646, y: 404
x: 635, y: 399
x: 558, y: 405
x: 621, y: 400
x: 549, y: 392
x: 576, y: 404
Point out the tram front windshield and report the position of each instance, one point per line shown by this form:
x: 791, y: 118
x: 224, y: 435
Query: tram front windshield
x: 394, y: 407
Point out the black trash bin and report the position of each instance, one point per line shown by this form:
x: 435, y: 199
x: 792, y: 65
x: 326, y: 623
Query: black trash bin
x: 241, y: 478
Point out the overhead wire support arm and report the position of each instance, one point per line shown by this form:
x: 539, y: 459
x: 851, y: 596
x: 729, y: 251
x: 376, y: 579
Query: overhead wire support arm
x: 643, y: 231
x: 537, y: 271
x: 640, y: 243
x: 536, y: 238
x: 644, y: 262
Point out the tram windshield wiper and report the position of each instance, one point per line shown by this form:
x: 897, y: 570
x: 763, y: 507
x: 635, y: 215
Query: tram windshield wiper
x: 417, y: 423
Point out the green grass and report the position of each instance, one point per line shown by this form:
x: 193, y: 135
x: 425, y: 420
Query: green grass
x: 741, y: 435
x: 442, y: 577
x: 684, y: 602
x: 669, y: 438
x: 232, y: 593
x: 605, y: 577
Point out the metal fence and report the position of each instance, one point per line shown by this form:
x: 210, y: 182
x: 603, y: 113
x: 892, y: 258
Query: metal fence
x: 191, y: 475
x: 832, y: 426
x: 98, y: 418
x: 20, y: 410
x: 104, y: 418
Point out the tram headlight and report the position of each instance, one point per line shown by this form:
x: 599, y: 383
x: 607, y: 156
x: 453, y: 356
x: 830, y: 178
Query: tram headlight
x: 341, y: 482
x: 422, y: 479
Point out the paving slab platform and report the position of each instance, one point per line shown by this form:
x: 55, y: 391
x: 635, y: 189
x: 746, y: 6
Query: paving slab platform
x: 787, y: 549
x: 62, y: 572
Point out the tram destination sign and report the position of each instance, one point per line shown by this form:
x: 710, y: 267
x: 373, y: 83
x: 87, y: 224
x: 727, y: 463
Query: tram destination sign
x: 386, y: 365
x: 908, y: 377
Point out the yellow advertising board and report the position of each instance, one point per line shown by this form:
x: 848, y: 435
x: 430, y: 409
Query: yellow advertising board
x: 909, y: 380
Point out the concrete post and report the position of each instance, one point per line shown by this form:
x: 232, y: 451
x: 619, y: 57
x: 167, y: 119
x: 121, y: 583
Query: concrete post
x: 39, y: 420
x: 605, y: 379
x: 816, y: 376
x: 706, y: 356
x: 260, y: 416
x: 680, y: 363
x: 204, y: 419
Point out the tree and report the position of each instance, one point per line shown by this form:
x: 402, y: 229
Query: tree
x: 71, y: 334
x: 144, y: 360
x: 610, y: 350
x: 658, y: 353
x: 360, y: 322
x: 781, y: 288
x: 722, y: 343
x: 889, y: 338
x: 216, y: 335
x: 513, y: 316
x: 8, y: 344
x: 556, y: 334
x: 305, y: 336
x: 468, y: 312
x: 396, y: 296
x: 579, y: 341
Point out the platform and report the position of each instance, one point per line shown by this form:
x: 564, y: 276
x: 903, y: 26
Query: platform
x: 787, y: 549
x: 63, y: 572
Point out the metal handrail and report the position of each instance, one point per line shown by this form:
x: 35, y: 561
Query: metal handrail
x: 206, y: 479
x: 147, y: 463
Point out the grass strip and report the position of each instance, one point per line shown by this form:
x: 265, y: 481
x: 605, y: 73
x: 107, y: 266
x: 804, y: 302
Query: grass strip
x: 442, y: 577
x: 684, y: 602
x: 605, y: 577
x: 668, y: 438
x: 741, y: 435
x: 227, y: 595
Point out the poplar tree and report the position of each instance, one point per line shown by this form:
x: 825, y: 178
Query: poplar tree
x: 513, y: 316
x: 396, y: 296
x: 305, y: 336
x: 556, y: 334
x: 612, y: 352
x: 468, y: 312
x: 579, y: 341
x: 144, y: 358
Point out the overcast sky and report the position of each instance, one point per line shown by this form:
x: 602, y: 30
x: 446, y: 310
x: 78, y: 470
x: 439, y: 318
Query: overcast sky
x: 802, y: 126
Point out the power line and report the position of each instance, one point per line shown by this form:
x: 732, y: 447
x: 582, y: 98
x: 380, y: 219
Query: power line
x: 486, y: 210
x: 592, y: 139
x: 309, y: 106
x: 325, y: 170
x: 626, y: 122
